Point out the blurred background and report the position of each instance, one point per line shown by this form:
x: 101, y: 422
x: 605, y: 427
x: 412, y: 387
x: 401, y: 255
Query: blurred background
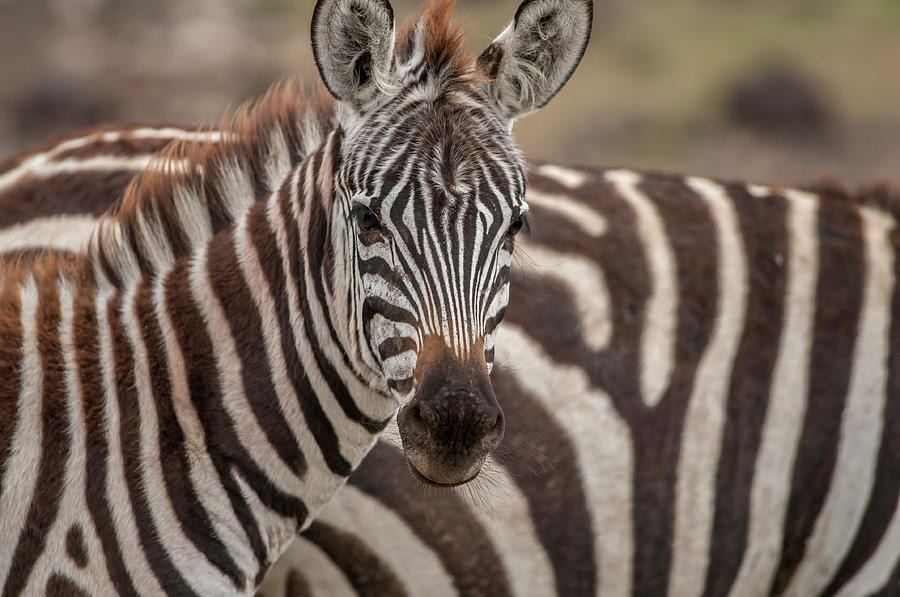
x: 785, y: 91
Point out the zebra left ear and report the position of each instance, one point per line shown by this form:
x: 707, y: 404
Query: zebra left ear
x: 536, y: 54
x: 353, y: 45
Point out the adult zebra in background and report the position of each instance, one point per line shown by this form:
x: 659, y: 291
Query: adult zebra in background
x: 599, y: 487
x: 182, y: 396
x: 702, y: 389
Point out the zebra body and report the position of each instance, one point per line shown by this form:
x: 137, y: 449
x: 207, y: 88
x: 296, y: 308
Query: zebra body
x: 655, y: 317
x: 183, y: 393
x: 701, y: 388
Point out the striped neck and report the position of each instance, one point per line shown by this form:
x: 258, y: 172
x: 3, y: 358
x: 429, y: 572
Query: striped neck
x: 259, y: 384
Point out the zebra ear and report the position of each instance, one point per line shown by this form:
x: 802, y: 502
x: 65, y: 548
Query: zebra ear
x: 536, y: 54
x: 353, y: 45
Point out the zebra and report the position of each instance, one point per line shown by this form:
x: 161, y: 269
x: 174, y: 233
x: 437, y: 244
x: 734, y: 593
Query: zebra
x: 618, y: 474
x: 184, y: 394
x: 635, y: 462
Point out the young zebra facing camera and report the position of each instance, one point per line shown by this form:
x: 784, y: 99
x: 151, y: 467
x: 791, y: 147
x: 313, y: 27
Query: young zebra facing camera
x: 183, y: 397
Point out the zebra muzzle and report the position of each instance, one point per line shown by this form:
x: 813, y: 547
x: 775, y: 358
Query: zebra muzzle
x: 451, y: 425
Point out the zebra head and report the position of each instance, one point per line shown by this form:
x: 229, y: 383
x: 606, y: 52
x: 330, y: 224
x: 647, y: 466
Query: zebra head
x: 430, y: 189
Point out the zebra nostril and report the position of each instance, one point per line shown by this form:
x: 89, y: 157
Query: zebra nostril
x: 495, y: 432
x: 416, y: 420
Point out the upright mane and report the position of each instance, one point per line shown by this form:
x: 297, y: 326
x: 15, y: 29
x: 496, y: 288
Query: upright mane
x: 192, y: 190
x: 439, y: 38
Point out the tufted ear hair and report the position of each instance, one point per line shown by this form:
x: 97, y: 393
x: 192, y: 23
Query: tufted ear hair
x: 536, y: 54
x: 353, y: 45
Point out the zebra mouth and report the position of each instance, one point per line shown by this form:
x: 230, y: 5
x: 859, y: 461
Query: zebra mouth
x: 430, y: 482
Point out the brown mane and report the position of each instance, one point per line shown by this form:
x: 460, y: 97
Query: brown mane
x: 193, y: 169
x: 443, y: 39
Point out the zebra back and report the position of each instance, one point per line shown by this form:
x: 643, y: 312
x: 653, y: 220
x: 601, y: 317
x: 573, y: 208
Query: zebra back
x: 701, y: 387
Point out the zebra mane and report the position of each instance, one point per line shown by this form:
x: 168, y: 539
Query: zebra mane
x: 194, y: 189
x: 438, y: 42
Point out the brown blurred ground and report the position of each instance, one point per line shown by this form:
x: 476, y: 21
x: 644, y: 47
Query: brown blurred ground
x: 768, y: 90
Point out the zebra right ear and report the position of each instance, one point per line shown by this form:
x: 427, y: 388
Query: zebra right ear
x: 353, y: 45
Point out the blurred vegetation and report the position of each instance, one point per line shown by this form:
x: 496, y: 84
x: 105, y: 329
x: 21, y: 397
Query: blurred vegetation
x: 715, y: 87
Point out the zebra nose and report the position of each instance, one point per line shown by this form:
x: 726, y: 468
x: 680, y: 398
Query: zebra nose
x: 446, y: 437
x: 457, y: 420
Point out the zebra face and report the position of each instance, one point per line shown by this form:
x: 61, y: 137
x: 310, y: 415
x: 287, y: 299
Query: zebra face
x: 435, y: 198
x: 430, y: 196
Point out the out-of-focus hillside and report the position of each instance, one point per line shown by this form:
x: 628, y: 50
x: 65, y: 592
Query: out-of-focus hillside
x: 770, y: 90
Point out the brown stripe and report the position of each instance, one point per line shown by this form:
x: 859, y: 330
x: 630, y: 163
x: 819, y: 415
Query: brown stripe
x: 73, y: 193
x: 75, y: 547
x: 222, y: 444
x: 229, y: 285
x: 125, y: 146
x: 164, y: 569
x: 317, y: 242
x: 883, y: 501
x: 544, y: 465
x: 10, y: 366
x: 186, y: 503
x: 55, y: 442
x: 439, y: 518
x: 763, y: 224
x: 658, y: 432
x: 227, y: 453
x: 297, y: 585
x: 369, y: 575
x: 838, y: 304
x: 60, y: 586
x: 87, y: 356
x: 271, y: 263
x: 19, y: 158
x: 620, y: 255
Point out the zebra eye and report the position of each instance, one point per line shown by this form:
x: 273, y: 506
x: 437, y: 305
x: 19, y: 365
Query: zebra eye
x: 366, y: 219
x: 516, y: 226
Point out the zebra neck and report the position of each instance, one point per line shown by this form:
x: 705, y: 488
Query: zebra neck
x: 262, y: 408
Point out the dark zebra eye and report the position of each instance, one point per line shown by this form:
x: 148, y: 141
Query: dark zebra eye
x: 366, y: 219
x: 516, y: 226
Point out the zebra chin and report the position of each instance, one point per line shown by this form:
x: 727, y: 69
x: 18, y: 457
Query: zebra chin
x: 454, y: 420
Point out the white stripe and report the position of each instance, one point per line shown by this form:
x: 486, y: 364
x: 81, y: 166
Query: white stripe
x: 119, y: 499
x: 862, y: 421
x: 705, y: 417
x: 230, y: 373
x: 876, y: 572
x: 505, y: 515
x: 203, y: 577
x: 580, y: 215
x: 71, y: 506
x: 387, y: 535
x: 658, y: 336
x: 41, y: 164
x: 319, y: 483
x: 564, y: 176
x: 603, y: 445
x: 203, y: 474
x: 787, y: 402
x: 324, y: 578
x: 26, y: 443
x: 68, y: 233
x: 587, y: 284
x: 46, y: 169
